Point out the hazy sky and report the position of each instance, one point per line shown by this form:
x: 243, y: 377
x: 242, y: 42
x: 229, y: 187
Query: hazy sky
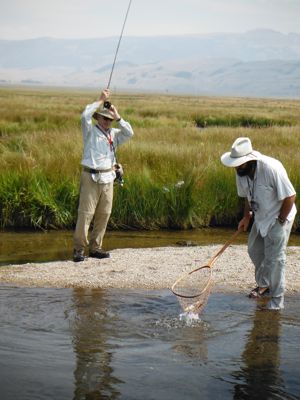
x: 23, y: 19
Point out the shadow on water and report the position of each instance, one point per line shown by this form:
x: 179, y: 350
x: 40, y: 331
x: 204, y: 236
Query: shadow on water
x: 22, y: 247
x: 260, y: 375
x: 94, y: 344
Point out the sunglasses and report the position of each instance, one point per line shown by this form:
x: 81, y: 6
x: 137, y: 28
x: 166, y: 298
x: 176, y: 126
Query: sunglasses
x: 106, y: 119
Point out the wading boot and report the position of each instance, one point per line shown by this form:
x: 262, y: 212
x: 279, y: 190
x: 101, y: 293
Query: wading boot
x: 78, y: 255
x: 99, y: 254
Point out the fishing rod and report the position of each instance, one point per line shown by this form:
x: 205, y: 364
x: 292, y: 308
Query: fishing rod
x: 107, y: 104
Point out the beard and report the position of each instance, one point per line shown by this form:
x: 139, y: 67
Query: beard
x: 247, y: 170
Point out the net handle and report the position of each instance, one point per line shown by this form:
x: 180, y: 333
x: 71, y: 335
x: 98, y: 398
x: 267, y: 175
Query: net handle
x: 221, y: 251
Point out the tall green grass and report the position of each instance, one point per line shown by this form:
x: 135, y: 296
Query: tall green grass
x: 144, y: 203
x: 30, y: 200
x: 173, y: 174
x: 239, y: 121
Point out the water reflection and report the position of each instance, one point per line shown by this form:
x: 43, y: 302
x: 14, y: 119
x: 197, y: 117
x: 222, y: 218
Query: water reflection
x: 194, y: 346
x: 260, y: 376
x: 91, y: 329
x: 90, y: 344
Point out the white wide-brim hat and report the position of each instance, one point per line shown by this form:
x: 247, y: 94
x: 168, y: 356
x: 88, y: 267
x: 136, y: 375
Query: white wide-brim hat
x: 104, y: 112
x: 241, y: 152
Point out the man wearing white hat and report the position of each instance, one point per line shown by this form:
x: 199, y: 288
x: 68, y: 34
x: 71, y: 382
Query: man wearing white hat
x: 270, y: 201
x: 98, y: 174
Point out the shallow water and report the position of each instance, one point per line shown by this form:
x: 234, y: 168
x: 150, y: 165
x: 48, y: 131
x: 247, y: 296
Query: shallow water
x: 22, y: 247
x: 113, y: 344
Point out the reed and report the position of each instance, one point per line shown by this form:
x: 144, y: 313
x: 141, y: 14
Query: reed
x: 173, y: 174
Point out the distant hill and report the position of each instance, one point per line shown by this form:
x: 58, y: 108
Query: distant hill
x: 260, y: 63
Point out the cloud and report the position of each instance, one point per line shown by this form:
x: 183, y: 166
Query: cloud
x: 100, y: 18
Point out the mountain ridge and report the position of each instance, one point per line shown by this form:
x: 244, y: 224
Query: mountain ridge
x: 260, y: 63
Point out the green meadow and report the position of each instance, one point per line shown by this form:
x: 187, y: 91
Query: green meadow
x: 173, y: 175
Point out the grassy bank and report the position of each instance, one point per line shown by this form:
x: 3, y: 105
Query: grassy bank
x: 173, y: 174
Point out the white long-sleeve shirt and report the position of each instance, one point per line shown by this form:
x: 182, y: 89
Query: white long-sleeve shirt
x: 268, y: 189
x: 97, y: 152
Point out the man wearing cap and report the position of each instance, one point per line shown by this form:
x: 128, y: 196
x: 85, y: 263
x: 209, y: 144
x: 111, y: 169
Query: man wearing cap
x: 98, y: 174
x: 270, y: 201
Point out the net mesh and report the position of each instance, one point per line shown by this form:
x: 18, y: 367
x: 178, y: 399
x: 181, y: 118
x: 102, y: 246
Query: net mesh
x: 192, y: 289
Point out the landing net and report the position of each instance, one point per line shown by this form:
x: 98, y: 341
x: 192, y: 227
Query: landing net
x: 193, y: 288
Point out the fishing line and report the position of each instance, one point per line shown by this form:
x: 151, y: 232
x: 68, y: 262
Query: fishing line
x: 120, y: 38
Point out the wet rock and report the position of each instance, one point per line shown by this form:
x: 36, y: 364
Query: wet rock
x: 186, y: 243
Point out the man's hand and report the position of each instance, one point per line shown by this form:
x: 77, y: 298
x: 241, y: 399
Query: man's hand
x: 104, y: 95
x: 244, y: 222
x: 114, y: 112
x: 286, y: 207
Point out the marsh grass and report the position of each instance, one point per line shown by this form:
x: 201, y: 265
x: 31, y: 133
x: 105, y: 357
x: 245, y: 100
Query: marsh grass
x: 177, y: 139
x: 240, y: 121
x: 31, y: 200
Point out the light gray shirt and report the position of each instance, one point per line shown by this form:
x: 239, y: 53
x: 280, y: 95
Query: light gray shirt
x: 98, y: 152
x: 268, y: 189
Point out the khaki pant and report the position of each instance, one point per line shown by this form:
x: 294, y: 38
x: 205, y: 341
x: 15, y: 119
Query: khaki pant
x: 268, y: 254
x: 95, y: 201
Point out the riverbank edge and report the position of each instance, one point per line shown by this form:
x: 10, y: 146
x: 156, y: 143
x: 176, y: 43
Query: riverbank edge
x: 149, y: 269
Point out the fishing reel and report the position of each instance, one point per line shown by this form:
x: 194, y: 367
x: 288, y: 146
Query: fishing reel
x: 107, y: 104
x: 119, y: 174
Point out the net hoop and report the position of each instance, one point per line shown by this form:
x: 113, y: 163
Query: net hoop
x: 181, y: 278
x: 195, y: 302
